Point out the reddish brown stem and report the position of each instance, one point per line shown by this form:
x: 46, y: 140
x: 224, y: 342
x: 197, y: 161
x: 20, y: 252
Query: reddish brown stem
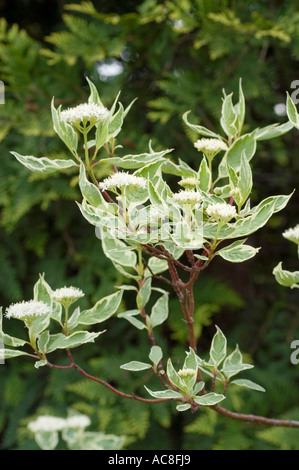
x: 190, y: 256
x: 54, y: 366
x: 110, y: 387
x: 183, y: 292
x: 107, y: 196
x: 256, y: 419
x: 115, y: 390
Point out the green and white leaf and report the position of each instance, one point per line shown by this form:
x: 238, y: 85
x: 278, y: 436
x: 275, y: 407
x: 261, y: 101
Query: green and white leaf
x: 200, y: 129
x: 102, y: 216
x: 167, y: 394
x: 43, y: 164
x: 102, y: 133
x: 60, y: 341
x: 240, y: 109
x: 129, y: 315
x: 115, y: 122
x: 198, y: 387
x: 182, y: 169
x: 232, y: 369
x: 245, y: 179
x: 43, y: 341
x: 248, y: 384
x: 39, y: 324
x: 234, y: 359
x: 155, y: 354
x: 40, y: 363
x: 42, y: 291
x: 73, y: 319
x: 191, y: 360
x: 136, y: 366
x: 129, y: 162
x: 209, y: 399
x: 144, y: 293
x: 237, y: 252
x: 47, y: 440
x: 206, y: 367
x: 184, y: 407
x: 118, y: 252
x: 11, y: 340
x: 204, y: 176
x: 126, y: 272
x: 228, y: 116
x: 56, y: 311
x: 286, y: 278
x: 10, y: 353
x: 218, y: 348
x: 159, y: 312
x: 94, y: 95
x: 157, y: 265
x: 65, y: 131
x: 292, y: 112
x: 174, y: 377
x: 89, y: 191
x: 232, y: 157
x: 99, y: 441
x: 273, y: 130
x: 127, y: 287
x: 101, y: 311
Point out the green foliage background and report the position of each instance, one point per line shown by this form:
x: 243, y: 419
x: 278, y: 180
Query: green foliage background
x: 174, y: 56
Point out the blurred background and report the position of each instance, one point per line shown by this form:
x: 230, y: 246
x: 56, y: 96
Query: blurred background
x: 173, y: 56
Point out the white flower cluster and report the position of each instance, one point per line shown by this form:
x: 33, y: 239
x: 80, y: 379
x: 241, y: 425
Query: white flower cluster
x: 77, y: 421
x: 210, y: 147
x: 188, y: 182
x: 186, y: 373
x: 187, y: 196
x: 121, y: 180
x: 28, y: 309
x: 53, y: 423
x: 47, y: 424
x: 86, y: 112
x: 221, y: 212
x: 292, y: 234
x: 67, y: 295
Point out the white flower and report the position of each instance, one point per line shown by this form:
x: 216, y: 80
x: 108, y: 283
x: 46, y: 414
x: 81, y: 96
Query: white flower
x: 121, y: 180
x: 292, y: 234
x: 221, y: 212
x: 77, y: 421
x: 86, y: 112
x: 186, y: 373
x: 187, y: 182
x: 210, y: 147
x: 187, y: 197
x: 29, y: 309
x: 47, y: 424
x: 67, y: 295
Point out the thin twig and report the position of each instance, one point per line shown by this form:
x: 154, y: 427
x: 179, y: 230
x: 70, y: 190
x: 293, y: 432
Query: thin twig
x: 110, y: 387
x: 256, y: 419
